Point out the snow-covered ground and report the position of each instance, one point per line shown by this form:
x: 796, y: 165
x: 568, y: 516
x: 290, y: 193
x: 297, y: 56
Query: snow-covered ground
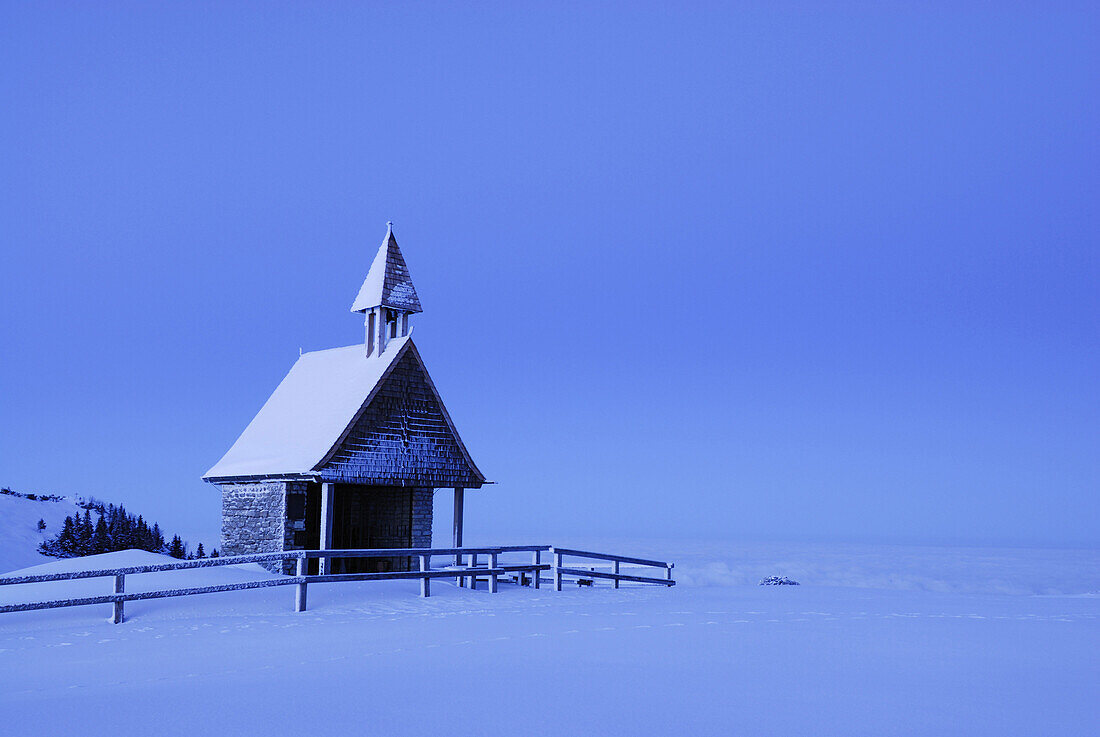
x: 938, y: 642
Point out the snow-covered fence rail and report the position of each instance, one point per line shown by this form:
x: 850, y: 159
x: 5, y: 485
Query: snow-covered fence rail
x: 561, y: 570
x: 466, y: 568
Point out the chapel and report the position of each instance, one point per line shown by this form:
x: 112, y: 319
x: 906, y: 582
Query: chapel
x: 348, y: 451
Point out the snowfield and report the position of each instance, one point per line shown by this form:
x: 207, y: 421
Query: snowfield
x: 876, y: 641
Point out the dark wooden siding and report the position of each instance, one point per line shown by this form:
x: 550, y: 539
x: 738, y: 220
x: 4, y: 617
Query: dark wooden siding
x: 372, y: 517
x: 402, y: 438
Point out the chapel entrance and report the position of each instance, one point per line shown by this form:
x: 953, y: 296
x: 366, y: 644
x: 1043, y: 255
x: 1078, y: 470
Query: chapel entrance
x: 371, y: 517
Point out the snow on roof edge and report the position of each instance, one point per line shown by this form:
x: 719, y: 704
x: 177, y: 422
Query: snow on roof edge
x: 309, y: 410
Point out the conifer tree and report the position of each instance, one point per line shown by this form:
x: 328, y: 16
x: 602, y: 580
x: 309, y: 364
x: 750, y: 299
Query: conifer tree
x: 123, y: 538
x: 141, y: 534
x: 199, y: 552
x: 41, y: 525
x: 66, y: 541
x: 111, y: 516
x: 176, y: 549
x: 101, y: 541
x: 157, y: 539
x: 84, y: 535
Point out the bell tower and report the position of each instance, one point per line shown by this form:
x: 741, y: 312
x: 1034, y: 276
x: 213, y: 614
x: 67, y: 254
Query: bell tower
x: 387, y: 297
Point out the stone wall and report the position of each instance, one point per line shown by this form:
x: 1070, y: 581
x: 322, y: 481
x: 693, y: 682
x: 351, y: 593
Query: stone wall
x: 422, y: 518
x: 254, y: 519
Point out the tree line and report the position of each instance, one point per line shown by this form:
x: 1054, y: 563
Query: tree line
x: 115, y: 529
x: 32, y: 497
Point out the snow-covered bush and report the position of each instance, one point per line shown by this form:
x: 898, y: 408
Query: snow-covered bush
x: 777, y: 581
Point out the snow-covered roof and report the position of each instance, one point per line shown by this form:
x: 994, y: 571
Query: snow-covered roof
x: 308, y: 412
x: 388, y: 282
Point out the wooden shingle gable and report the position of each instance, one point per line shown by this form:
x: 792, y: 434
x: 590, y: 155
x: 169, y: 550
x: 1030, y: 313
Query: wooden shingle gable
x: 402, y: 435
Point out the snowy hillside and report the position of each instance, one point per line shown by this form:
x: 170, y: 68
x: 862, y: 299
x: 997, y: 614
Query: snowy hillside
x: 19, y: 535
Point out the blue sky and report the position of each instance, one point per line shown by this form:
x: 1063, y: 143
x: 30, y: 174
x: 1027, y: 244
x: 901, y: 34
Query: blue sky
x: 820, y: 272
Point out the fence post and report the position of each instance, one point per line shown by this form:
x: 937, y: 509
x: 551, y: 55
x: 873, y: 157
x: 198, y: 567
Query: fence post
x: 668, y: 571
x: 615, y: 570
x: 300, y: 594
x: 557, y: 569
x: 473, y: 575
x: 492, y: 576
x: 120, y: 588
x: 425, y: 583
x: 537, y: 561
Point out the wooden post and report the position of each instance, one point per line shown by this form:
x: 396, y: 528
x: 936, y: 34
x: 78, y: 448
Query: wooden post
x: 668, y: 572
x: 425, y: 583
x: 300, y: 594
x: 557, y: 569
x: 370, y: 333
x: 492, y: 576
x: 615, y: 570
x: 324, y: 564
x: 537, y: 561
x: 120, y: 588
x: 473, y: 575
x: 380, y: 331
x: 456, y: 531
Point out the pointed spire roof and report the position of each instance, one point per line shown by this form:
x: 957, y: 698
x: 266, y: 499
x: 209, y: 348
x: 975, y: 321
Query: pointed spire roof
x: 388, y: 282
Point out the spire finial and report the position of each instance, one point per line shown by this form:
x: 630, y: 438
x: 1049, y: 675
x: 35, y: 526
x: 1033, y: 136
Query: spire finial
x: 389, y: 227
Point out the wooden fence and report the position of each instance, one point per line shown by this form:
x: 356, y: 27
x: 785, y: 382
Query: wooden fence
x: 614, y: 575
x: 465, y: 569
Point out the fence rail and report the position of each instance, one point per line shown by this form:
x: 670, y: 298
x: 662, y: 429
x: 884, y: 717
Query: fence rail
x: 589, y: 573
x: 561, y: 570
x: 465, y: 569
